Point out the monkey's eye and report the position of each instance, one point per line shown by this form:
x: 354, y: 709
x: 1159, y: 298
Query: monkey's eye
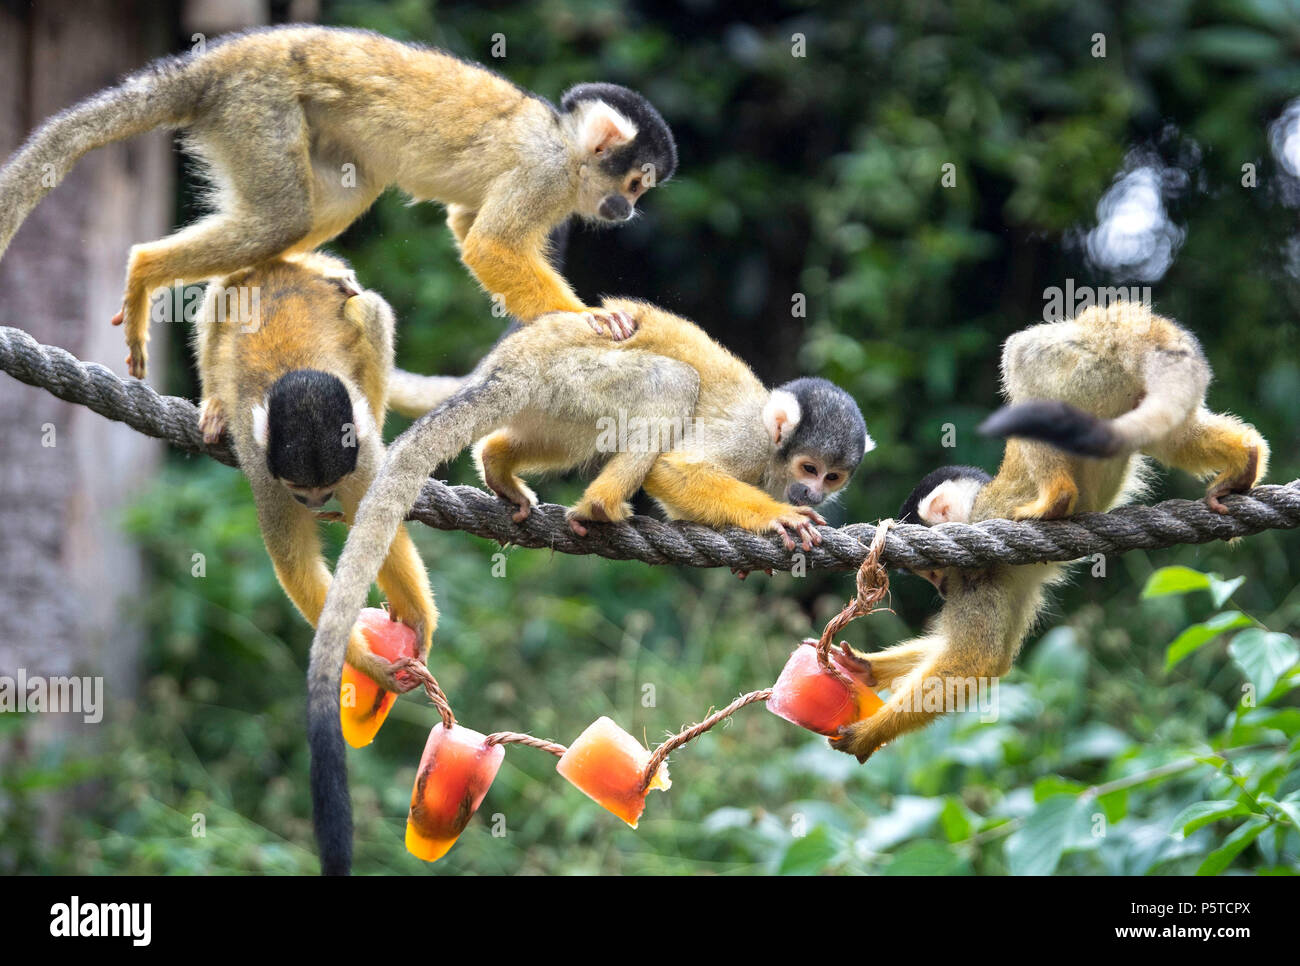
x: 832, y: 477
x: 809, y: 468
x: 635, y: 186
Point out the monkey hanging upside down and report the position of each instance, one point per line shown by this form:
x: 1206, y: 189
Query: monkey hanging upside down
x: 296, y: 363
x: 1088, y: 400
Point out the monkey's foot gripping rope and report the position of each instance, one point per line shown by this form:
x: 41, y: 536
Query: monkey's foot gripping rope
x: 685, y: 544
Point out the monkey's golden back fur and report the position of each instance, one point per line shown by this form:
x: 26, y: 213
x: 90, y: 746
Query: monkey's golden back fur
x: 1102, y: 362
x: 1095, y: 362
x: 730, y: 395
x: 239, y: 360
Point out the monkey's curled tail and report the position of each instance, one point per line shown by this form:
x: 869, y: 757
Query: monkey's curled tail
x: 412, y: 394
x: 161, y: 95
x: 481, y: 405
x: 1175, y: 383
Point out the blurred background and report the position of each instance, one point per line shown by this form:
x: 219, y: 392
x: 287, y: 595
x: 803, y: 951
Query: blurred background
x: 1090, y: 144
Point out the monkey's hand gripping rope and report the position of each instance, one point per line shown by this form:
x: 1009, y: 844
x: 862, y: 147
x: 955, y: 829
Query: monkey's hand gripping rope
x: 654, y: 541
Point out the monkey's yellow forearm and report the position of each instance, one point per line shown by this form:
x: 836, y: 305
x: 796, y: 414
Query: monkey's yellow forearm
x: 306, y: 584
x: 699, y: 492
x: 519, y: 275
x: 906, y: 710
x: 293, y: 543
x: 1217, y: 445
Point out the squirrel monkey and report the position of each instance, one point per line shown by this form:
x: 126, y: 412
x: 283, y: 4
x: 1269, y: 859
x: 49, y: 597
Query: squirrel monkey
x: 1089, y: 399
x: 301, y: 128
x: 668, y: 409
x: 302, y: 390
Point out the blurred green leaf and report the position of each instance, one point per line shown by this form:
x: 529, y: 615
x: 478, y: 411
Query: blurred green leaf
x: 926, y: 858
x: 1036, y: 848
x: 1221, y: 590
x: 1201, y: 814
x: 1263, y: 657
x: 1175, y: 580
x: 1233, y: 846
x: 910, y: 815
x: 955, y: 821
x: 1201, y: 634
x: 809, y: 855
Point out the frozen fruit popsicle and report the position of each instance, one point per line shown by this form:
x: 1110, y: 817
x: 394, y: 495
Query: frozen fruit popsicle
x: 455, y: 773
x: 608, y: 765
x: 363, y: 704
x: 817, y: 700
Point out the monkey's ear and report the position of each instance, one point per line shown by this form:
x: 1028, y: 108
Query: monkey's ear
x: 361, y: 307
x: 952, y: 501
x: 362, y: 419
x: 781, y: 416
x: 604, y: 129
x: 868, y: 444
x: 260, y: 428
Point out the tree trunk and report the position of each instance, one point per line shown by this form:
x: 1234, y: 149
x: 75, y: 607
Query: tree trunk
x: 67, y: 576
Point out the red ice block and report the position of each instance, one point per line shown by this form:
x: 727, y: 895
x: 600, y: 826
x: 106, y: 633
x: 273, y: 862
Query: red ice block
x: 363, y: 704
x: 455, y: 773
x: 815, y: 699
x: 607, y: 764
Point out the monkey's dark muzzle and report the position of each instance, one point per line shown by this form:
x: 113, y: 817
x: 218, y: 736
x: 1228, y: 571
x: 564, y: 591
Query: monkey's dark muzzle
x: 314, y: 502
x: 615, y: 208
x: 801, y: 495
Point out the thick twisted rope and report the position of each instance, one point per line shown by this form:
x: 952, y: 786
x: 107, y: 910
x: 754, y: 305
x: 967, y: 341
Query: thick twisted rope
x: 684, y: 544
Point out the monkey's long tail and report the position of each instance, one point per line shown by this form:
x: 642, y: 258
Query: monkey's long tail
x: 1176, y: 381
x: 161, y: 95
x: 481, y: 405
x: 412, y: 394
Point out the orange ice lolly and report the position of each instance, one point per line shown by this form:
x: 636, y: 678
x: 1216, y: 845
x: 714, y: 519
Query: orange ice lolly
x: 607, y: 764
x: 815, y: 699
x: 363, y: 704
x: 455, y: 773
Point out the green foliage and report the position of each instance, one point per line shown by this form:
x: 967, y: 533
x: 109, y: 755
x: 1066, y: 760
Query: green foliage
x: 1146, y: 731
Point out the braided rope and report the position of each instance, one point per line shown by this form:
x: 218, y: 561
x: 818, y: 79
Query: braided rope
x: 91, y: 385
x: 654, y: 541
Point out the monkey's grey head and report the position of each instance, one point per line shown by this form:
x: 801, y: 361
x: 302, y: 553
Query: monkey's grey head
x: 625, y: 145
x: 819, y: 437
x: 945, y: 495
x: 310, y: 430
